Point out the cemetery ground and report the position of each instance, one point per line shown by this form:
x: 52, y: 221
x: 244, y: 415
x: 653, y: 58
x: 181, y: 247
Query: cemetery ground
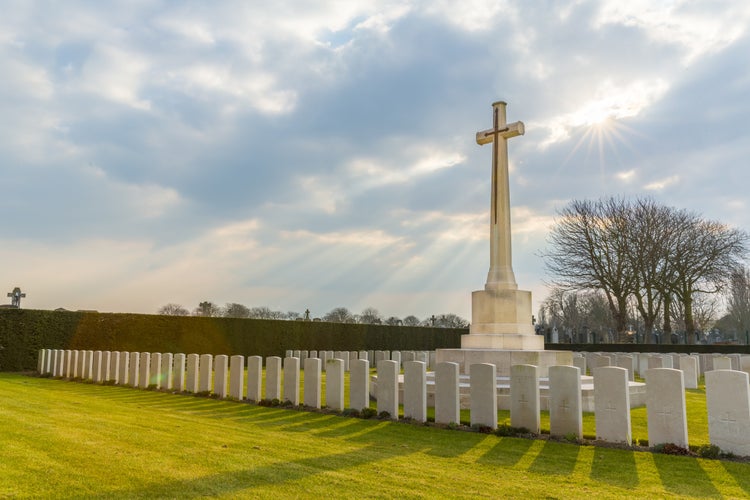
x: 66, y: 440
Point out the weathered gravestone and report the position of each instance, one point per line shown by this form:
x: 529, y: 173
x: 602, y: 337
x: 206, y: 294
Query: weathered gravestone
x: 415, y: 390
x: 612, y: 404
x: 665, y: 407
x: 483, y: 380
x: 565, y: 401
x: 728, y: 402
x: 524, y: 397
x: 447, y: 395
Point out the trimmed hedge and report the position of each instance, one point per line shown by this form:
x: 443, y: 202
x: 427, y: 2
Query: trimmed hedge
x: 24, y: 331
x: 657, y: 348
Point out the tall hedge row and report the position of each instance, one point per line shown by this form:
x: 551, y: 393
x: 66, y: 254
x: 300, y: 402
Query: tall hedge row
x: 24, y: 331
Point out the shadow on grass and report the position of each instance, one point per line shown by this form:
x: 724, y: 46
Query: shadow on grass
x: 507, y: 452
x: 615, y: 467
x: 556, y: 458
x: 230, y: 483
x: 740, y: 474
x: 671, y: 468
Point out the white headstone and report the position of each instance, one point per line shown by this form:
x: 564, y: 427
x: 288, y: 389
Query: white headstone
x: 359, y: 385
x: 483, y: 377
x: 144, y: 373
x: 626, y: 361
x: 311, y: 394
x: 114, y: 367
x: 193, y: 372
x: 237, y: 377
x: 40, y: 361
x: 580, y: 363
x: 689, y: 368
x: 722, y: 363
x: 69, y: 364
x: 205, y: 374
x: 155, y: 369
x: 665, y: 407
x: 728, y: 402
x: 415, y: 390
x: 447, y: 396
x: 524, y: 396
x: 396, y: 356
x: 565, y: 401
x: 96, y: 367
x: 135, y: 369
x: 254, y: 378
x: 362, y: 355
x: 612, y: 404
x: 291, y: 380
x: 178, y: 372
x: 335, y: 383
x: 106, y: 363
x: 221, y: 369
x: 387, y: 389
x: 166, y: 373
x: 124, y: 368
x: 655, y: 361
x: 273, y: 378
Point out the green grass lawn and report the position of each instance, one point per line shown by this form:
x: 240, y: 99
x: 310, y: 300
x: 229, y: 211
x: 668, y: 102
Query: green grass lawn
x: 63, y: 439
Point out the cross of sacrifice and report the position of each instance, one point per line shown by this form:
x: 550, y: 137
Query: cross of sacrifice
x: 15, y: 297
x: 501, y: 274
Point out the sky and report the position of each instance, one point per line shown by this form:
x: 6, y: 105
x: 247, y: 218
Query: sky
x: 320, y: 154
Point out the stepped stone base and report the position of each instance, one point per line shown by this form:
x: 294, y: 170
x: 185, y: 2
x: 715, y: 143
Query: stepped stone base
x: 504, y: 359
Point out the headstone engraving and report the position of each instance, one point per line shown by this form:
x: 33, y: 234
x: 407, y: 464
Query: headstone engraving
x: 565, y: 401
x: 728, y: 402
x: 612, y: 404
x: 483, y: 391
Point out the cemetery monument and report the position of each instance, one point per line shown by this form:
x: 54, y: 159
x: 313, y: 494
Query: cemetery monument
x: 501, y: 329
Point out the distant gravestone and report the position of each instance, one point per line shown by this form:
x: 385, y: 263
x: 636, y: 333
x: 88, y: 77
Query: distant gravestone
x: 524, y: 396
x: 387, y: 388
x: 626, y: 361
x: 655, y: 361
x: 565, y: 401
x: 689, y: 368
x: 580, y: 363
x: 106, y: 362
x: 612, y: 404
x: 722, y: 363
x: 415, y: 390
x: 483, y: 380
x: 447, y: 396
x: 728, y: 402
x: 665, y: 407
x: 254, y: 378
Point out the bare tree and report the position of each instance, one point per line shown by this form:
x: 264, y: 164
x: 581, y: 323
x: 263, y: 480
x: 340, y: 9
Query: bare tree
x: 738, y: 300
x: 393, y: 321
x: 369, y: 315
x: 234, y: 310
x: 411, y: 321
x: 703, y: 259
x: 207, y: 309
x: 173, y: 310
x: 589, y: 250
x: 450, y: 320
x: 339, y: 315
x: 264, y: 312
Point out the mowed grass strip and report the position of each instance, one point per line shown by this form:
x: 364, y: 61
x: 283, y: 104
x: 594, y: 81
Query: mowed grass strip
x: 70, y: 440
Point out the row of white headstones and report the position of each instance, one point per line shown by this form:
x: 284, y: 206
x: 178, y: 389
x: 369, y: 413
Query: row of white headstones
x: 727, y: 391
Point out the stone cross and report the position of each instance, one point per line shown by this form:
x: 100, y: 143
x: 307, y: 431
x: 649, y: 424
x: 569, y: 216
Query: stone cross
x: 500, y: 275
x: 15, y: 297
